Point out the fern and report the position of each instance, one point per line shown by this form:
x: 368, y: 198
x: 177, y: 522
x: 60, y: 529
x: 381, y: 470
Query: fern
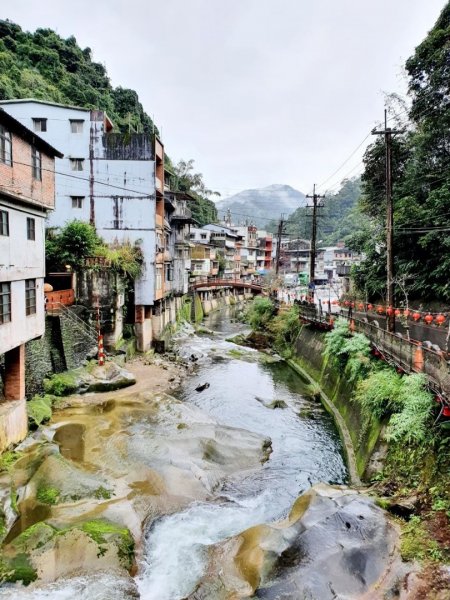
x: 412, y: 424
x: 378, y: 394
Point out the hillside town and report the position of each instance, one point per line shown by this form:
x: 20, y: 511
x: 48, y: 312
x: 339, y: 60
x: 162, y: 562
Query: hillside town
x: 63, y: 164
x: 214, y: 385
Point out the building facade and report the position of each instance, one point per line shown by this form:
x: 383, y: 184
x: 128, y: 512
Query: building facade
x: 111, y: 180
x: 27, y: 194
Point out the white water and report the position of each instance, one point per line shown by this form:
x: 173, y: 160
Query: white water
x: 176, y: 546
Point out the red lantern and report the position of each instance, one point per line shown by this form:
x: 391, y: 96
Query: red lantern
x: 398, y: 312
x: 346, y: 303
x: 446, y: 411
x: 380, y: 310
x: 428, y: 319
x: 440, y: 319
x: 416, y: 316
x: 361, y: 306
x: 406, y: 312
x: 389, y: 311
x: 369, y: 306
x: 352, y: 304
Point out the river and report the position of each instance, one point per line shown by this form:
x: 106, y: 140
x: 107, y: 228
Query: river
x: 305, y: 449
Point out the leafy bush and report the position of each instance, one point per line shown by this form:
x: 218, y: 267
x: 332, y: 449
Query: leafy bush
x: 412, y: 423
x: 260, y: 312
x: 347, y: 350
x: 285, y: 327
x: 378, y: 394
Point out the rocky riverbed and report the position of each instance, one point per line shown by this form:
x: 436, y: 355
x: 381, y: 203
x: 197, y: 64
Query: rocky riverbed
x: 171, y: 489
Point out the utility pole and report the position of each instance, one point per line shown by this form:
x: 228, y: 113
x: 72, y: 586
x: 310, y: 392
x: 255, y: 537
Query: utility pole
x: 390, y: 288
x: 312, y: 255
x: 279, y: 234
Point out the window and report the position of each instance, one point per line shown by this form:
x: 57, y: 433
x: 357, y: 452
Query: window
x: 4, y: 222
x: 5, y: 146
x: 158, y: 278
x: 30, y: 296
x: 203, y: 236
x: 5, y: 303
x: 76, y: 164
x: 31, y: 229
x: 76, y: 125
x: 169, y: 272
x: 40, y: 124
x: 77, y: 201
x: 36, y: 163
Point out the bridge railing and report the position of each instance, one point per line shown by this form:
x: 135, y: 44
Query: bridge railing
x: 409, y: 355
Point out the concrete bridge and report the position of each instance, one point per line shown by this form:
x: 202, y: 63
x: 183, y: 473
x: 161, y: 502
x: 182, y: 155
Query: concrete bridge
x: 210, y: 282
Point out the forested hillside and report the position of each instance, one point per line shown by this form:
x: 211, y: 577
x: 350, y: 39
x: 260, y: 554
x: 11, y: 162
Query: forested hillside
x: 43, y: 65
x: 339, y: 216
x: 421, y: 176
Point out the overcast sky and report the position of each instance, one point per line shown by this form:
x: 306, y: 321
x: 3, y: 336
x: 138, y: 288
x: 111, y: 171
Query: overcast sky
x: 256, y: 91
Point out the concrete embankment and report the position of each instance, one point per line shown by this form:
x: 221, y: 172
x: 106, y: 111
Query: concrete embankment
x: 359, y: 438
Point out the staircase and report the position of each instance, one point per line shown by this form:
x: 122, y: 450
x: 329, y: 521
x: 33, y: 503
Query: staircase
x: 62, y: 311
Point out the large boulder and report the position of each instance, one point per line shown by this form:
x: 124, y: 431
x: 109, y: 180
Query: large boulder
x: 92, y: 378
x: 336, y: 543
x: 45, y: 552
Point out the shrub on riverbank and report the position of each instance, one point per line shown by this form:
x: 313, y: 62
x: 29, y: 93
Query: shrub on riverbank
x: 260, y: 312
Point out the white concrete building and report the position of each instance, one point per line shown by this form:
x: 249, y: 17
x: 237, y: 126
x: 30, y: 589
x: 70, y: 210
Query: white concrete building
x: 105, y: 178
x: 27, y: 193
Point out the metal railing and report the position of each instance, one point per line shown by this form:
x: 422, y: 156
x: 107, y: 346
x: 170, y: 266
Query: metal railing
x: 410, y: 356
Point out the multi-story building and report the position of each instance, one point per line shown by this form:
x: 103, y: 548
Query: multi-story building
x: 264, y: 253
x: 27, y: 194
x: 248, y: 250
x: 228, y: 244
x: 204, y: 260
x: 116, y: 183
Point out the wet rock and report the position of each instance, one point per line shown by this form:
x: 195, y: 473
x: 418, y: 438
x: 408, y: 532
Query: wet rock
x: 335, y: 543
x: 46, y: 552
x: 202, y: 387
x: 277, y: 403
x: 93, y: 378
x: 58, y: 481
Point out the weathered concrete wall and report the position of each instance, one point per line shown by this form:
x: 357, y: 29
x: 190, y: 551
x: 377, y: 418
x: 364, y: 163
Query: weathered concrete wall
x: 65, y: 345
x: 106, y: 289
x: 336, y: 386
x: 13, y: 423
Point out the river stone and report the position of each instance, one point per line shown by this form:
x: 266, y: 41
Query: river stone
x: 105, y: 378
x: 335, y: 544
x: 46, y: 553
x: 57, y: 480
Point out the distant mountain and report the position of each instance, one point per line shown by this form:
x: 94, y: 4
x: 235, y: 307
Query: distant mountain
x: 261, y: 205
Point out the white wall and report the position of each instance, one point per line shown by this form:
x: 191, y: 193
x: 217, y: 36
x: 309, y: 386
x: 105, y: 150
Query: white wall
x: 22, y: 259
x: 123, y: 182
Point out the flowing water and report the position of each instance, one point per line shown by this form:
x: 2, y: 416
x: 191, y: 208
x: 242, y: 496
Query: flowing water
x: 242, y: 385
x: 305, y: 444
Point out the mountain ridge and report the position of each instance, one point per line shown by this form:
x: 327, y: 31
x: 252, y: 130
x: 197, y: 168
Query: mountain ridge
x: 262, y: 205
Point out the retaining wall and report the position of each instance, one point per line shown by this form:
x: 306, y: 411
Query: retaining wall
x: 335, y: 384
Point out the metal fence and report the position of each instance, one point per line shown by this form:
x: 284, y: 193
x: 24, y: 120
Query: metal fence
x: 408, y: 355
